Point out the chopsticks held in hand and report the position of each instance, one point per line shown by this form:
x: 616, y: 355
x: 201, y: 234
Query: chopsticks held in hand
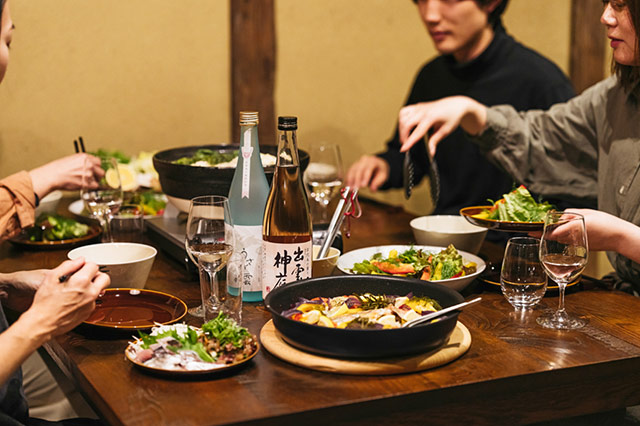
x: 79, y: 148
x: 63, y: 278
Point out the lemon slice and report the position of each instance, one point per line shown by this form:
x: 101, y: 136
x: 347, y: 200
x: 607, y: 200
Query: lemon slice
x: 128, y: 178
x: 124, y: 177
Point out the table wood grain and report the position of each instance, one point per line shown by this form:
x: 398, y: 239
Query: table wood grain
x: 514, y: 373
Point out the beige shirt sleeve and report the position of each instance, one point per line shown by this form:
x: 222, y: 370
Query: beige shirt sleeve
x: 17, y: 204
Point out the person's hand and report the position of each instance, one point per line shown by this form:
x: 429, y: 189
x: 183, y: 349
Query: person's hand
x: 60, y: 306
x: 604, y: 231
x: 18, y: 288
x: 439, y: 117
x: 369, y: 170
x: 67, y: 173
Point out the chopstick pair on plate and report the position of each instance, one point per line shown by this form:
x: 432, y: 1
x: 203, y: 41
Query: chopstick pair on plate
x: 80, y: 147
x: 63, y: 278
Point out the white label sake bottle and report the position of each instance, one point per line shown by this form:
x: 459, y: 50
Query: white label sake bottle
x: 247, y: 199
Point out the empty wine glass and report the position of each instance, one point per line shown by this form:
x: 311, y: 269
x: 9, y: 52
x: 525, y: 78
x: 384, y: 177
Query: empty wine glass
x: 209, y: 242
x: 563, y: 252
x: 523, y: 280
x: 323, y: 178
x: 105, y: 200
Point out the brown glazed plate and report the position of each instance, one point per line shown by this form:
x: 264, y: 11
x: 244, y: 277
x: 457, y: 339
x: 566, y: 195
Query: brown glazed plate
x: 498, y: 225
x: 133, y: 309
x: 22, y: 240
x: 131, y: 350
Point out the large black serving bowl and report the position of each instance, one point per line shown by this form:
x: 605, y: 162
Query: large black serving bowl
x: 186, y: 182
x: 354, y: 343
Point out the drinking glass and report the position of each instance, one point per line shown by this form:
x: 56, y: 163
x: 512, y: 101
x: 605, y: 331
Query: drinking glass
x: 523, y: 280
x: 563, y: 252
x: 323, y: 178
x: 104, y: 200
x: 209, y: 242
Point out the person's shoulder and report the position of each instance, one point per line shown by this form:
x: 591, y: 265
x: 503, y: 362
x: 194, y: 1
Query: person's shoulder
x: 532, y: 63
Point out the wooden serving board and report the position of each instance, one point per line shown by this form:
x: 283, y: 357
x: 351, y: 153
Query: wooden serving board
x: 458, y: 343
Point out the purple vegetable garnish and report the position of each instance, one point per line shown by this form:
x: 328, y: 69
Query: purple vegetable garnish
x: 290, y: 312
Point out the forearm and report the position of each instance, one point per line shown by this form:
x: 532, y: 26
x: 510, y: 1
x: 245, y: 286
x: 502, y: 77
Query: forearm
x: 625, y: 239
x: 18, y: 342
x: 475, y: 118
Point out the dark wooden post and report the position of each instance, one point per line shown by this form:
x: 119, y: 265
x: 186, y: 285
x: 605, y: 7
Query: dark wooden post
x: 253, y: 62
x: 586, y: 65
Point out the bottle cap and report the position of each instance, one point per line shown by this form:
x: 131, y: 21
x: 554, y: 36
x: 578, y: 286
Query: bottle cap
x: 248, y: 118
x: 287, y: 123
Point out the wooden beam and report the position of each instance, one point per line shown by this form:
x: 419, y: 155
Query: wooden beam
x: 586, y: 65
x: 253, y: 62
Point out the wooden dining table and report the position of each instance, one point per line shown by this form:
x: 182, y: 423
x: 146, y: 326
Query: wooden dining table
x: 515, y: 372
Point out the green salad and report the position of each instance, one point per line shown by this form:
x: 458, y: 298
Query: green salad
x: 53, y: 227
x: 417, y: 263
x: 517, y: 206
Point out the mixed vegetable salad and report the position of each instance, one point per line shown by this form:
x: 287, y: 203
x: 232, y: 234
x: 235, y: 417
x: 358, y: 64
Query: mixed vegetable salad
x: 418, y: 264
x: 367, y: 311
x: 516, y: 206
x: 53, y: 227
x: 181, y: 347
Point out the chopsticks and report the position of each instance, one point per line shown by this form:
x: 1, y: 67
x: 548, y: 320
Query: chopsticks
x: 63, y: 278
x: 81, y: 147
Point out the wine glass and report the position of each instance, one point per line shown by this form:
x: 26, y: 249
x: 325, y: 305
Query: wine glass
x: 323, y: 178
x: 209, y: 242
x: 523, y: 280
x: 563, y: 252
x: 105, y: 200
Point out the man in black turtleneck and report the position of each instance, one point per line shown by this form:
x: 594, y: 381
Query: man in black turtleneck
x: 480, y: 60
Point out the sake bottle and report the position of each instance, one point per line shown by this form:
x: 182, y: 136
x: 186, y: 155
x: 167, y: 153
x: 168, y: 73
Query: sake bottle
x: 247, y: 199
x: 286, y: 228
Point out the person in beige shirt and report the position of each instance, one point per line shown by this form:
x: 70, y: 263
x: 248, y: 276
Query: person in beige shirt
x: 549, y: 150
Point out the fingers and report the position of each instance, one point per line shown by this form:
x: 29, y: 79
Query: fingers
x: 416, y: 134
x: 370, y: 171
x: 67, y: 268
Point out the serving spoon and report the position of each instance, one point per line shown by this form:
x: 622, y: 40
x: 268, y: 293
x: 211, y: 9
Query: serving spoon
x: 439, y: 313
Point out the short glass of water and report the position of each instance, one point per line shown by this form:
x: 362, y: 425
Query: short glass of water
x: 522, y: 279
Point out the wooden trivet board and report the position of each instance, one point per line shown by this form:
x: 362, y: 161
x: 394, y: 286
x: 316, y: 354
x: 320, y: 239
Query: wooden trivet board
x: 458, y: 343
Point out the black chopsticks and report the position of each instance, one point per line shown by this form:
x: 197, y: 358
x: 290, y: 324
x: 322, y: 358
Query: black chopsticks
x: 79, y: 148
x: 63, y: 278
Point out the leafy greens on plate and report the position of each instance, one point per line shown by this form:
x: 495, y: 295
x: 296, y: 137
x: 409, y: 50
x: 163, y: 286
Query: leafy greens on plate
x: 417, y: 263
x: 517, y: 206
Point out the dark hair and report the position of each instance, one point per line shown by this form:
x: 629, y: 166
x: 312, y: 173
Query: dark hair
x: 494, y: 16
x: 2, y: 2
x: 629, y: 75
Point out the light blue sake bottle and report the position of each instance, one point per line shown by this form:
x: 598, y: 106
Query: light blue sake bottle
x: 247, y: 200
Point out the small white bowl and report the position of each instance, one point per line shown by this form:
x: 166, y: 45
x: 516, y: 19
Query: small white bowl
x: 49, y: 203
x: 444, y: 230
x: 324, y: 266
x: 128, y: 264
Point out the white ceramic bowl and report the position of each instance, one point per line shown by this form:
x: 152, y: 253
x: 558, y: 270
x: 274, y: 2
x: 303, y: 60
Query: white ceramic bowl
x: 445, y: 230
x: 325, y: 266
x: 128, y: 264
x: 347, y: 260
x: 49, y: 203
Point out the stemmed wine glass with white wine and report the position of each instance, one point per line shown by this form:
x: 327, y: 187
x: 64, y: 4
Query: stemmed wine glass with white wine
x: 563, y: 253
x: 323, y: 177
x: 104, y: 200
x: 209, y: 242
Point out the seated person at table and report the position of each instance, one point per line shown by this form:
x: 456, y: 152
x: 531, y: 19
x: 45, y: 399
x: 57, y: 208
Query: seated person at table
x: 18, y: 198
x: 480, y: 60
x: 551, y: 151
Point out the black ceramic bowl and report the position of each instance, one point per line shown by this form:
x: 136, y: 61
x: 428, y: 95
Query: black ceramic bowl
x: 186, y: 182
x: 354, y: 343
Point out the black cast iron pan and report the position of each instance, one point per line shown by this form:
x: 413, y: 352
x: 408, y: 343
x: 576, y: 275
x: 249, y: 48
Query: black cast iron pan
x: 186, y: 182
x: 353, y: 343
